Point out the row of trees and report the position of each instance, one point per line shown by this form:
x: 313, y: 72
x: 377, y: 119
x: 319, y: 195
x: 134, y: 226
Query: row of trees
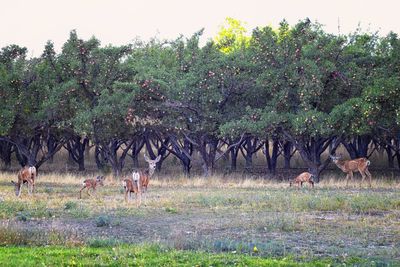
x: 280, y: 90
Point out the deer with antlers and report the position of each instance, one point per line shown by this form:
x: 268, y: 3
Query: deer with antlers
x: 26, y: 175
x: 92, y: 184
x: 353, y: 165
x: 140, y: 180
x: 304, y: 177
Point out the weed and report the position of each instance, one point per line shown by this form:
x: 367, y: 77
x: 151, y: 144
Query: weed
x: 70, y: 205
x: 171, y: 210
x: 23, y: 216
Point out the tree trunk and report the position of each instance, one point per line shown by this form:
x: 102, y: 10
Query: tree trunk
x: 272, y: 157
x: 287, y: 154
x: 208, y: 149
x: 6, y: 149
x: 76, y: 148
x: 233, y: 155
x: 358, y: 146
x: 137, y: 146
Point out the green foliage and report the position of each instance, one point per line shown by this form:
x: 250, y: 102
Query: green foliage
x: 231, y: 36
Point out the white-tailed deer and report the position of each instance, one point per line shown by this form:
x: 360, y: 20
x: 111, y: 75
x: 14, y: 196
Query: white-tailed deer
x: 92, y: 184
x: 353, y: 165
x: 304, y: 177
x: 26, y: 175
x: 140, y: 180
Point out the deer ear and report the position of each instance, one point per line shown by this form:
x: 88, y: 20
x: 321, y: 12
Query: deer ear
x: 146, y: 158
x: 158, y: 158
x: 13, y: 182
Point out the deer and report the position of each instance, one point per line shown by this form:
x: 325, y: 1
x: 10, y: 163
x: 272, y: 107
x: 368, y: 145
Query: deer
x: 304, y: 177
x: 353, y: 165
x: 140, y: 180
x: 26, y: 175
x: 91, y: 184
x: 130, y: 187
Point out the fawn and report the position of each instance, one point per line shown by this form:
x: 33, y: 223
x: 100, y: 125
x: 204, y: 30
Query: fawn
x: 304, y: 177
x: 92, y: 183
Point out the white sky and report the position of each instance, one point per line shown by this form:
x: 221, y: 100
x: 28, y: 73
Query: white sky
x: 31, y: 23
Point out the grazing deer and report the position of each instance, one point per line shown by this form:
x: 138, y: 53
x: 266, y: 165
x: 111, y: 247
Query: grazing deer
x: 353, y: 165
x: 92, y: 183
x: 140, y: 180
x: 304, y: 177
x: 26, y: 175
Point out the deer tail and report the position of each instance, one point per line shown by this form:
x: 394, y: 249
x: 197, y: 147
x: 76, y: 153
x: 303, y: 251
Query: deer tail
x: 32, y: 170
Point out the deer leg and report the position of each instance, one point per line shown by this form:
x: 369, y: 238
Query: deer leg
x: 87, y: 191
x: 31, y: 185
x: 363, y: 176
x: 351, y: 176
x: 311, y: 184
x: 369, y: 176
x: 80, y: 192
x: 19, y: 190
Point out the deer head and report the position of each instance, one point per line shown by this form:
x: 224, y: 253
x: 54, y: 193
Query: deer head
x: 100, y: 180
x: 335, y: 158
x: 152, y: 163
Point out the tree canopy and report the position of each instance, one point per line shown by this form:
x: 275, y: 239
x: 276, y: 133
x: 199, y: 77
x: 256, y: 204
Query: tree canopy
x: 294, y: 85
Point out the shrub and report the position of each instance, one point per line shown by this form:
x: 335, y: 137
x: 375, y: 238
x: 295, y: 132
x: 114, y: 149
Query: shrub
x: 103, y: 220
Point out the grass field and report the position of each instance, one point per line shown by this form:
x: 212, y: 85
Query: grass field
x: 214, y: 221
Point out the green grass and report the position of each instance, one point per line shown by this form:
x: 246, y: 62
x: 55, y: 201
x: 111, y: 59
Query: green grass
x: 143, y: 256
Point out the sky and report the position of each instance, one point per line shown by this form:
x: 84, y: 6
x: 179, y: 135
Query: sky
x: 31, y: 23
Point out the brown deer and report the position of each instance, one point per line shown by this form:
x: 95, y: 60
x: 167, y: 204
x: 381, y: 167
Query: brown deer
x: 26, y: 175
x: 92, y: 184
x: 304, y: 177
x: 140, y: 180
x: 353, y: 165
x: 130, y: 187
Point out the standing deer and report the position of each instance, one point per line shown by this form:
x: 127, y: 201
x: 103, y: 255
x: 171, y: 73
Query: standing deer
x: 353, y: 165
x: 304, y: 177
x: 140, y: 180
x: 26, y: 175
x: 92, y: 183
x: 130, y: 187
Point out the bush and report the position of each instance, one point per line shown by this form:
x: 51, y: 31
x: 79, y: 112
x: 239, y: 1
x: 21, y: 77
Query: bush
x: 103, y: 220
